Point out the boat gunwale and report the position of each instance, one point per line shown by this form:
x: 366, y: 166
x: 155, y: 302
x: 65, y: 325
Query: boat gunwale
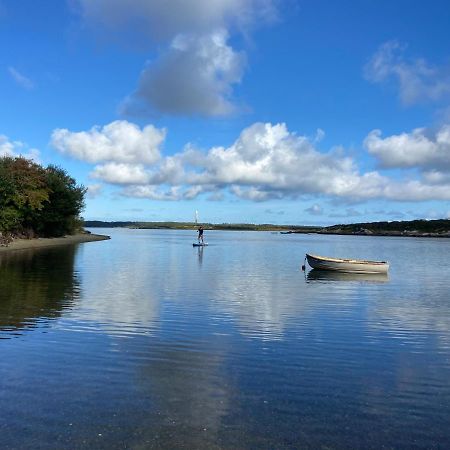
x: 344, y: 260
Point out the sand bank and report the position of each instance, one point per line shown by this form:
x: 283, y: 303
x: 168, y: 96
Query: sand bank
x: 24, y: 244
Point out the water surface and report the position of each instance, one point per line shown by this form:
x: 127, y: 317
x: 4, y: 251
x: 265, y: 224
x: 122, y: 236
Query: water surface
x: 143, y: 341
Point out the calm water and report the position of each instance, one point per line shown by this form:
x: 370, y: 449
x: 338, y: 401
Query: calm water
x: 146, y: 342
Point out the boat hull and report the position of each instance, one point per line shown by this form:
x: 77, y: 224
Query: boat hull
x: 347, y: 265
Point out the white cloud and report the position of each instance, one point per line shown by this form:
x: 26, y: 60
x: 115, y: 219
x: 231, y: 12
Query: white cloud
x: 6, y: 146
x: 152, y: 193
x: 253, y: 193
x: 266, y: 161
x: 162, y: 19
x: 20, y: 79
x: 315, y: 210
x: 195, y: 76
x: 417, y: 79
x: 119, y: 141
x: 415, y: 191
x: 94, y: 190
x: 320, y: 134
x: 120, y: 173
x: 17, y: 148
x: 436, y: 177
x: 170, y: 193
x: 420, y: 148
x: 269, y: 162
x: 197, y: 68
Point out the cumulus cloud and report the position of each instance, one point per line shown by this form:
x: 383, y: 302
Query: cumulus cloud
x: 121, y: 173
x: 20, y: 79
x: 421, y: 148
x: 255, y: 193
x: 269, y: 162
x: 153, y: 193
x: 415, y: 191
x: 119, y: 141
x: 265, y: 162
x: 417, y: 79
x: 17, y: 148
x: 195, y: 76
x: 94, y: 190
x: 197, y: 68
x: 436, y: 177
x: 162, y: 20
x: 315, y: 210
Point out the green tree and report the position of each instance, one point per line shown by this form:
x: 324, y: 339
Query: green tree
x: 34, y: 199
x: 60, y: 214
x: 23, y: 191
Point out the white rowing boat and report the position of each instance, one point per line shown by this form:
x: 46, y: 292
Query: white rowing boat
x: 347, y: 265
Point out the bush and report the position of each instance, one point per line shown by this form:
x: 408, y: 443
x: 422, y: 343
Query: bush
x: 34, y: 199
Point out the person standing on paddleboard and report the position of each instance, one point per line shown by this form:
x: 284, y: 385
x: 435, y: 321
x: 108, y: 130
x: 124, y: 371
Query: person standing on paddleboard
x: 200, y: 234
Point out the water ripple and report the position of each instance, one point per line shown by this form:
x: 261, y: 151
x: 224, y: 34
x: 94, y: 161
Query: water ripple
x: 230, y: 347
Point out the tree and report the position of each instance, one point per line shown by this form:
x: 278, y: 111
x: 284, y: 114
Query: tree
x: 60, y: 214
x: 23, y: 191
x: 34, y: 199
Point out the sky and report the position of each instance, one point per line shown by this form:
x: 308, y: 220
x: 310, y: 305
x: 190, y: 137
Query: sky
x: 247, y: 111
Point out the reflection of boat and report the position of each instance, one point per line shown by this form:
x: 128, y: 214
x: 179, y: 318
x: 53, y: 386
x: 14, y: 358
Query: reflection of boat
x: 347, y: 265
x: 334, y: 275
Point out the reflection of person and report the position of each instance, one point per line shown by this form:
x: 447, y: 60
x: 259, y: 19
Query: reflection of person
x: 200, y: 255
x: 200, y: 234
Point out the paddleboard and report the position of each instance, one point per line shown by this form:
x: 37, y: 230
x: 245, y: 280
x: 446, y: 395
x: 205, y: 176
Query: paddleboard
x: 199, y: 245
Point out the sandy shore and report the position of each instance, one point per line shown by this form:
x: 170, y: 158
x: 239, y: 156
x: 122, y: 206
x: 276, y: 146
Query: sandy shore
x: 24, y: 244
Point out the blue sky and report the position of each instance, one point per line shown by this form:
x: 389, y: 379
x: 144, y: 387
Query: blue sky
x: 261, y: 111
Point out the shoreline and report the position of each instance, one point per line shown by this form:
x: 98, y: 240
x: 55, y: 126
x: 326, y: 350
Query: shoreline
x: 412, y: 234
x: 404, y: 233
x: 26, y: 244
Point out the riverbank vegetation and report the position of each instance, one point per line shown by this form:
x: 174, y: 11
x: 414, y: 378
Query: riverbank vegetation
x: 421, y: 228
x: 206, y: 226
x: 37, y: 200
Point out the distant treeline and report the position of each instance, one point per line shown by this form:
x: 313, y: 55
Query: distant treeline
x: 192, y: 225
x: 410, y: 228
x: 440, y: 226
x: 38, y: 201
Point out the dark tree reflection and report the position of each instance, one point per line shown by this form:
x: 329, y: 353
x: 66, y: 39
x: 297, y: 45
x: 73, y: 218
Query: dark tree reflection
x: 36, y: 286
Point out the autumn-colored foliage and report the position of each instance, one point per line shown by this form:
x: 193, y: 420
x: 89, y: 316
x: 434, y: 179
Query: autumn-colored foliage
x: 38, y: 201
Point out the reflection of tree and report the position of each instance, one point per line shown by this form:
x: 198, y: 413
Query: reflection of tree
x: 36, y: 284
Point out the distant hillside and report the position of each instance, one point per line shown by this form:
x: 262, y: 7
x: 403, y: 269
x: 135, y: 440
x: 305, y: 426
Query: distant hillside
x: 425, y: 228
x: 102, y: 224
x: 420, y: 228
x: 207, y: 226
